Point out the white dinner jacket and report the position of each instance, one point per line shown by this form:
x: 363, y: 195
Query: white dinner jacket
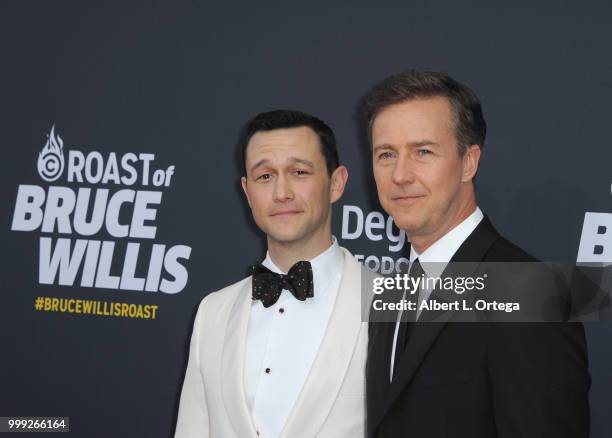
x: 331, y: 403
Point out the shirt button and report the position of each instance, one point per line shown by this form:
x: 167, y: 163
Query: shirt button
x: 281, y: 310
x: 268, y: 370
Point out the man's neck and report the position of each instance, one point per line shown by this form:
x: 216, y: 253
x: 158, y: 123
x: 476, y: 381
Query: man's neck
x: 285, y: 255
x: 422, y: 242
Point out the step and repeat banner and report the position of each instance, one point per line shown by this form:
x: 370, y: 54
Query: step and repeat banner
x: 122, y: 205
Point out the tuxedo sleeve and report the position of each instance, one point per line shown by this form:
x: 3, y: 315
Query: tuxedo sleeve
x: 193, y: 413
x: 539, y: 380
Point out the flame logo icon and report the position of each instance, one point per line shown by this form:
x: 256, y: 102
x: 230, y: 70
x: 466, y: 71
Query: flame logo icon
x: 51, y: 158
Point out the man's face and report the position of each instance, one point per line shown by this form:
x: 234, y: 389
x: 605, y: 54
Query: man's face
x: 287, y: 185
x: 421, y: 179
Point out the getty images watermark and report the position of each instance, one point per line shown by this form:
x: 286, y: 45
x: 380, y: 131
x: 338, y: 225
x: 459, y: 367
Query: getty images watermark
x: 485, y: 292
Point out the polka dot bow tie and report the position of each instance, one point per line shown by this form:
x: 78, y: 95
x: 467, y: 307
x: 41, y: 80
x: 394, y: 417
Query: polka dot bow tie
x: 268, y: 285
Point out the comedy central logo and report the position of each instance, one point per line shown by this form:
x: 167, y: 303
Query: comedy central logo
x: 51, y: 158
x: 100, y: 231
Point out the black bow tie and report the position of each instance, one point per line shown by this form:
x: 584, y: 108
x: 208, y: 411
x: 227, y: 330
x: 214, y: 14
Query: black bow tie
x: 268, y: 285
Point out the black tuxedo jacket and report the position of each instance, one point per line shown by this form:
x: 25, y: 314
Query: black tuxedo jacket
x: 473, y: 380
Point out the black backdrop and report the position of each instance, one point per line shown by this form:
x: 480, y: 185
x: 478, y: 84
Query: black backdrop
x: 178, y: 81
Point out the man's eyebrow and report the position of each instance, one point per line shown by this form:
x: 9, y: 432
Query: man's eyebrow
x: 382, y: 146
x: 301, y: 161
x: 416, y: 144
x: 413, y: 144
x: 265, y: 161
x: 259, y: 163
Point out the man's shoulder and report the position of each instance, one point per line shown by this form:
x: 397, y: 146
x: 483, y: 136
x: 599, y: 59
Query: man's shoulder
x: 503, y: 250
x: 351, y: 264
x: 523, y: 277
x: 505, y: 256
x: 225, y: 296
x: 488, y: 244
x: 367, y: 275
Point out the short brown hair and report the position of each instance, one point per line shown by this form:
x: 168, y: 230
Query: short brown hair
x: 470, y: 125
x: 281, y: 119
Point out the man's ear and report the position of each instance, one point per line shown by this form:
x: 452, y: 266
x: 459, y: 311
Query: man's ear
x: 471, y: 158
x: 338, y: 183
x: 243, y: 181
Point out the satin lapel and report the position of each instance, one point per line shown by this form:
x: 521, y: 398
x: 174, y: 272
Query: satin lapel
x: 323, y: 383
x: 232, y: 380
x: 424, y: 334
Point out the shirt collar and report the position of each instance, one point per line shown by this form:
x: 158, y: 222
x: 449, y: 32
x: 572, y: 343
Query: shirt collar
x: 324, y: 266
x: 442, y: 250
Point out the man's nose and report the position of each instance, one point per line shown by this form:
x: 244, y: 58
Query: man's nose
x: 403, y: 172
x: 282, y: 189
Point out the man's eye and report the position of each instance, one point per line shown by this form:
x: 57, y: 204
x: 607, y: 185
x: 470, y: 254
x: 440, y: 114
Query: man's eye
x: 385, y: 155
x: 301, y: 172
x: 423, y: 152
x: 263, y: 177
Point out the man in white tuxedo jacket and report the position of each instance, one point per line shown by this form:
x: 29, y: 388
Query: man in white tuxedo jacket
x: 282, y: 352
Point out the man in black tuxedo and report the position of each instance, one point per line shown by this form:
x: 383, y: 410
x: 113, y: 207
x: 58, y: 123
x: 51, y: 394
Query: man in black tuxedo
x: 458, y: 379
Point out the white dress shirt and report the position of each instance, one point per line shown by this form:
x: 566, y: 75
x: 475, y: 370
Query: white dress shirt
x: 283, y: 341
x: 435, y: 258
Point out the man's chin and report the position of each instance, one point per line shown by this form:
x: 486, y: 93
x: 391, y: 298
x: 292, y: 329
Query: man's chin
x: 285, y: 237
x: 409, y: 225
